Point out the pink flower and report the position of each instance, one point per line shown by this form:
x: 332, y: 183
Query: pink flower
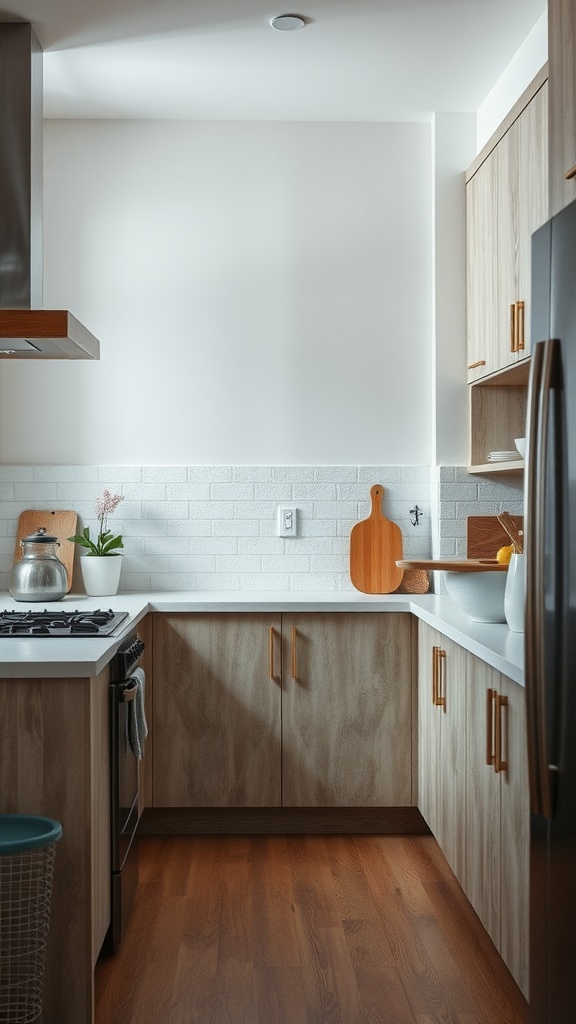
x: 107, y: 503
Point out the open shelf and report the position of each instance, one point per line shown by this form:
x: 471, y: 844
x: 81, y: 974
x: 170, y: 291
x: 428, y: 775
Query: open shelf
x: 515, y: 468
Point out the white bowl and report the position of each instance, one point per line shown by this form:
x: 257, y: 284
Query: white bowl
x: 520, y: 443
x: 480, y: 595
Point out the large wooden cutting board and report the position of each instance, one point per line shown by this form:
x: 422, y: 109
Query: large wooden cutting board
x: 61, y: 524
x: 485, y: 536
x: 375, y: 547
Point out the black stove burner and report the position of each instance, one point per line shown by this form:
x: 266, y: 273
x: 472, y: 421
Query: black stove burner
x: 60, y: 623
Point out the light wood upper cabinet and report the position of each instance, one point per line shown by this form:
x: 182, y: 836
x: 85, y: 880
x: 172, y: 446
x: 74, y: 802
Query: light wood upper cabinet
x: 347, y: 710
x: 216, y: 711
x: 562, y: 133
x: 506, y: 200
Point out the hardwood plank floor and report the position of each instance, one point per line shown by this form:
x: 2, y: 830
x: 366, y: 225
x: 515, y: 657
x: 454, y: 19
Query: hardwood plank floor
x: 302, y: 930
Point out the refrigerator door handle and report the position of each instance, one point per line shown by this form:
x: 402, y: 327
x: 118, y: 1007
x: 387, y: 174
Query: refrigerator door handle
x: 539, y: 771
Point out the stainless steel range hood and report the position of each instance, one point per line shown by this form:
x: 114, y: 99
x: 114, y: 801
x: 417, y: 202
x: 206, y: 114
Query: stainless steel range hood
x: 27, y: 331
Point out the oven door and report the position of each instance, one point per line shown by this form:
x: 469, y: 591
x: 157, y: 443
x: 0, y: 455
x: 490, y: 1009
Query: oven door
x: 124, y: 806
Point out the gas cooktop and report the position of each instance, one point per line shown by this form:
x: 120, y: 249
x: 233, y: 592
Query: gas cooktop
x: 60, y: 623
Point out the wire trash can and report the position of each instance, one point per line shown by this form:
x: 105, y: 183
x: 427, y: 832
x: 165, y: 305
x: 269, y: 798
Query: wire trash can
x: 27, y: 849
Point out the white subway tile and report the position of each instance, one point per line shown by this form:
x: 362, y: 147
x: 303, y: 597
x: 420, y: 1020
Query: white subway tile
x: 217, y: 581
x: 255, y: 509
x: 188, y: 492
x: 293, y: 474
x: 238, y: 563
x: 164, y: 474
x: 446, y: 474
x: 173, y: 581
x: 32, y: 491
x: 140, y: 491
x: 345, y: 583
x: 476, y: 508
x: 416, y: 474
x: 235, y: 528
x: 208, y: 510
x: 193, y: 563
x: 314, y: 492
x: 335, y: 509
x: 337, y: 474
x: 188, y: 528
x: 328, y: 563
x: 209, y: 474
x: 109, y: 475
x: 144, y: 528
x: 312, y: 545
x: 318, y: 527
x: 232, y: 492
x: 273, y: 492
x: 6, y: 492
x: 285, y: 563
x: 313, y: 581
x: 459, y: 492
x: 136, y: 582
x: 167, y: 545
x: 254, y: 474
x: 13, y: 473
x: 447, y: 509
x: 384, y: 475
x: 352, y: 492
x: 213, y: 545
x: 62, y: 474
x: 265, y: 581
x: 261, y: 545
x: 447, y: 547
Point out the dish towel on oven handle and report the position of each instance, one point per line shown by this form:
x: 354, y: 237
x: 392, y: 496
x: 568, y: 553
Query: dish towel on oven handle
x: 137, y: 726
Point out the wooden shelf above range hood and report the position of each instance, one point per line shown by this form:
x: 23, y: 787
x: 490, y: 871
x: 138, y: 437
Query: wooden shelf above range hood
x: 46, y: 334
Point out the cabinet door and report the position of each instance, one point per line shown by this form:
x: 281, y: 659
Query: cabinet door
x: 506, y: 226
x: 482, y: 872
x: 429, y: 724
x: 216, y: 710
x: 481, y: 264
x: 515, y: 835
x: 452, y: 671
x: 532, y: 194
x: 347, y: 710
x: 562, y: 86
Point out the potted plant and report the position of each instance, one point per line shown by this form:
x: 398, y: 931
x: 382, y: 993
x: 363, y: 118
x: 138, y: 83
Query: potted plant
x: 102, y: 561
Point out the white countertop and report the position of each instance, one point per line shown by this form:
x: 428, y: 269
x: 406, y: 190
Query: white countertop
x: 55, y: 657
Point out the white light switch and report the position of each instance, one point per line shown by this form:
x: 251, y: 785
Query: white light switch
x: 287, y: 521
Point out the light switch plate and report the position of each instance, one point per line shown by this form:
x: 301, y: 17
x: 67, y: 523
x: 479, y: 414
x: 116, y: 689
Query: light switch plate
x: 287, y: 523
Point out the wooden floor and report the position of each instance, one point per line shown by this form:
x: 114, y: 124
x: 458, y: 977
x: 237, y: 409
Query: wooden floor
x: 302, y: 930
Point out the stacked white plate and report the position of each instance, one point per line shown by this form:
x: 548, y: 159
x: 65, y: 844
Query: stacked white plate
x: 504, y: 456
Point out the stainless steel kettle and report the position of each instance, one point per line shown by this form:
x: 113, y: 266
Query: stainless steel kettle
x: 39, y: 575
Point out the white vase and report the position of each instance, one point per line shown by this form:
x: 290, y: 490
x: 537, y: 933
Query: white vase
x: 101, y: 574
x: 515, y: 593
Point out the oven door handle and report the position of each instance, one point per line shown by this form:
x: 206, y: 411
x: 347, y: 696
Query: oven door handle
x: 129, y: 693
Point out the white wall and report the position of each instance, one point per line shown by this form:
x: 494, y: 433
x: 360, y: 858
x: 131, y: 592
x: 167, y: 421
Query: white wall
x: 517, y: 76
x: 262, y: 293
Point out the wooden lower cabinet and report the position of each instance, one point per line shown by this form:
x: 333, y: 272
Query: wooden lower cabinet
x: 216, y: 710
x: 347, y: 710
x: 265, y: 710
x: 479, y: 815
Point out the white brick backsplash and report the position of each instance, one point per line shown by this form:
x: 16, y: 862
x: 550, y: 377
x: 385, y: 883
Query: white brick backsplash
x: 254, y: 474
x: 339, y: 474
x: 293, y: 474
x: 232, y: 492
x: 164, y: 474
x: 209, y: 474
x: 195, y: 491
x: 214, y: 527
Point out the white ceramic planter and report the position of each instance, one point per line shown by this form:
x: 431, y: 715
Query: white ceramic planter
x: 101, y: 574
x: 515, y: 595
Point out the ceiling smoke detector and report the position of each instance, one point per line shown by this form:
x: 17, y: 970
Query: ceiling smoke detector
x: 287, y: 23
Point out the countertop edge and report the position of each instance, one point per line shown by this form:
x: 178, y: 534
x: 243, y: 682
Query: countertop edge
x: 49, y: 658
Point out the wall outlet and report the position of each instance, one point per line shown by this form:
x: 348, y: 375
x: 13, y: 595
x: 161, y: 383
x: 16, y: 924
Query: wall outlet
x: 287, y: 523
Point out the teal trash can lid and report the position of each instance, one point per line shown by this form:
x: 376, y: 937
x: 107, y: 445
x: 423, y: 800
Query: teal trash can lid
x: 22, y: 832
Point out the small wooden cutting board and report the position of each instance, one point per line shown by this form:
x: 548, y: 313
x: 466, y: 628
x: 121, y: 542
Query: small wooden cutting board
x: 60, y: 524
x: 375, y: 547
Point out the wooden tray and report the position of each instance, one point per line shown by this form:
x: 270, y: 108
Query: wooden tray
x: 454, y: 565
x: 57, y: 524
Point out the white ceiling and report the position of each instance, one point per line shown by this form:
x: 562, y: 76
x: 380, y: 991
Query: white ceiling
x: 356, y: 60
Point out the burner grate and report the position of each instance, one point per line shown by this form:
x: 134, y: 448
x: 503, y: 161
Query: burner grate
x: 60, y: 623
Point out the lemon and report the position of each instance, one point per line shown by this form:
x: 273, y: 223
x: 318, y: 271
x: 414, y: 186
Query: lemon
x: 504, y: 554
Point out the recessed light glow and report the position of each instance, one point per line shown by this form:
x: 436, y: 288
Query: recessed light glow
x: 287, y: 23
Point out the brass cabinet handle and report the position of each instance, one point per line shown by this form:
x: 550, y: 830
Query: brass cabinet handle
x: 520, y: 326
x: 500, y: 764
x: 435, y: 675
x: 271, y: 653
x: 513, y: 327
x: 571, y: 173
x: 481, y: 362
x: 441, y: 694
x: 294, y: 654
x: 490, y: 698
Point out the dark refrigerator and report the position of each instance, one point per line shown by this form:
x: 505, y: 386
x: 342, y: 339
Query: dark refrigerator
x: 550, y: 638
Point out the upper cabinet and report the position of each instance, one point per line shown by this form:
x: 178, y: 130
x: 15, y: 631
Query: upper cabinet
x: 562, y: 136
x: 506, y: 200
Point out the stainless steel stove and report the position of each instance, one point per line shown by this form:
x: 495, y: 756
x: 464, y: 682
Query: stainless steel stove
x: 60, y: 623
